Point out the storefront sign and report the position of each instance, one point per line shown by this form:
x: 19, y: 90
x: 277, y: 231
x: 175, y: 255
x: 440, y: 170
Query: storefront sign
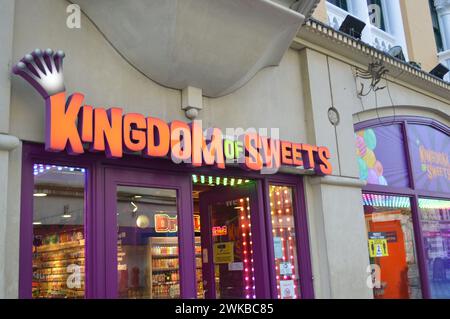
x: 219, y: 231
x: 223, y: 252
x: 169, y: 224
x: 72, y: 126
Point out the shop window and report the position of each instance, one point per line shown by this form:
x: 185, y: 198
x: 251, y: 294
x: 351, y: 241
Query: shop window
x: 435, y: 220
x: 376, y: 13
x: 391, y: 246
x: 340, y: 3
x: 58, y: 232
x: 284, y: 242
x: 381, y: 156
x: 436, y: 27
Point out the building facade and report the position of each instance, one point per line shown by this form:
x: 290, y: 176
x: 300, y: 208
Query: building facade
x: 104, y: 197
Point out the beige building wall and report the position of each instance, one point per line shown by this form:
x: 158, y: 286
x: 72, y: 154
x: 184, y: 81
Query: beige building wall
x: 419, y: 33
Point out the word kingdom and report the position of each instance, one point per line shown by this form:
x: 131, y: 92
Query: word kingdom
x: 70, y: 124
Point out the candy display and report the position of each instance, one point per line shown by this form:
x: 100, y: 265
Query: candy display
x: 165, y: 278
x: 58, y: 258
x: 370, y: 168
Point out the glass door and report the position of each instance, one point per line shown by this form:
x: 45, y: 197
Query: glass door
x: 233, y: 266
x: 149, y: 236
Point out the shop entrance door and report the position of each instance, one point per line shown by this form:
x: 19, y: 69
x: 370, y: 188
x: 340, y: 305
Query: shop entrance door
x: 231, y: 230
x: 149, y: 235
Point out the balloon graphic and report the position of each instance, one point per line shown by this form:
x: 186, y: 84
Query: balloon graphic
x: 373, y: 177
x: 361, y: 146
x: 378, y: 168
x: 370, y: 158
x: 370, y: 139
x: 362, y: 169
x: 382, y: 181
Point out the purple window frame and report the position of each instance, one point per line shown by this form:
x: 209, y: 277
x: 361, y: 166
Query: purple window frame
x: 96, y: 165
x: 410, y: 191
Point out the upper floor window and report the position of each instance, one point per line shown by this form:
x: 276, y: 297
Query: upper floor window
x: 436, y: 28
x: 340, y: 3
x: 376, y: 14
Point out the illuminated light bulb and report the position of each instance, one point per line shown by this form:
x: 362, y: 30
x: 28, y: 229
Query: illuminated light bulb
x: 245, y: 252
x: 243, y: 235
x: 295, y: 296
x: 247, y: 287
x: 251, y: 260
x: 280, y: 220
x: 271, y: 212
x: 248, y: 296
x: 271, y: 204
x: 246, y: 269
x: 249, y: 225
x: 292, y: 267
x: 241, y: 200
x: 251, y: 243
x: 287, y: 210
x: 248, y: 207
x: 285, y: 277
x: 290, y: 247
x: 273, y: 222
x: 248, y: 216
x: 281, y: 230
x: 248, y: 199
x: 285, y: 191
x: 279, y: 202
x: 289, y: 229
x: 273, y: 230
x: 292, y: 257
x: 288, y: 219
x: 243, y: 226
x: 242, y: 217
x: 253, y: 278
x: 278, y: 193
x: 279, y: 211
x: 246, y: 260
x: 246, y: 278
x: 279, y: 296
x: 290, y: 238
x: 254, y: 296
x: 251, y: 251
x: 278, y: 277
x: 245, y: 243
x: 293, y: 276
x: 242, y: 209
x: 286, y: 201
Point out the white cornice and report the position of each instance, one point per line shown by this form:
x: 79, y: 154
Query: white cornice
x: 325, y: 37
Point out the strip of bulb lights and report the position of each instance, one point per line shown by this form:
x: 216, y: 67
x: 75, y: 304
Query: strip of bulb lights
x: 218, y: 180
x: 379, y: 200
x: 43, y: 168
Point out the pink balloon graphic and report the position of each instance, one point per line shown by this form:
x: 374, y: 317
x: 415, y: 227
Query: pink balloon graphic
x: 361, y: 145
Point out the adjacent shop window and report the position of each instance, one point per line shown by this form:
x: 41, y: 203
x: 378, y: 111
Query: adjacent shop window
x: 381, y: 156
x: 430, y: 153
x: 435, y: 219
x: 284, y: 242
x: 376, y: 15
x: 58, y: 230
x: 340, y: 3
x: 147, y: 245
x: 391, y: 246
